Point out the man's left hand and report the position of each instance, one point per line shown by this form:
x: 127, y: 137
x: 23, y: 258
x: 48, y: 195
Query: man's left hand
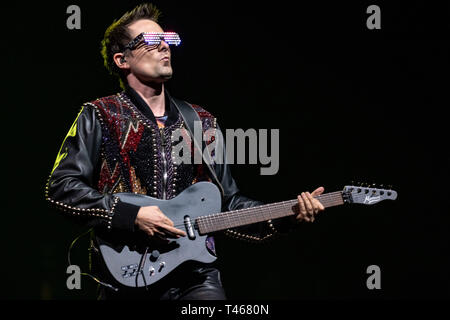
x: 309, y: 206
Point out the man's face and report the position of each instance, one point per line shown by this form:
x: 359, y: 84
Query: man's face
x: 149, y: 63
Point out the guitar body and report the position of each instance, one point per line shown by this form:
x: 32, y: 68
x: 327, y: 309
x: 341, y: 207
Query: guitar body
x: 128, y: 256
x: 136, y: 260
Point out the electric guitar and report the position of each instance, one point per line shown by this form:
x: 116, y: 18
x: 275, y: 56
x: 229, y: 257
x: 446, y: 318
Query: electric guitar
x: 137, y: 260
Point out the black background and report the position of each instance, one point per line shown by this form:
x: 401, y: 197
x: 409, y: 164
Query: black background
x: 350, y: 103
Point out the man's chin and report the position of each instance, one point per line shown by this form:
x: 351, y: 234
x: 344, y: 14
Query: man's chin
x: 166, y: 74
x: 161, y: 77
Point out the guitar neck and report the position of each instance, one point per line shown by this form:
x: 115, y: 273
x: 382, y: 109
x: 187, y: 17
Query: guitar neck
x: 242, y: 217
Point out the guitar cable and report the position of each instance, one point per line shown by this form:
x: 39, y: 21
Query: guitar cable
x: 140, y: 269
x: 85, y: 273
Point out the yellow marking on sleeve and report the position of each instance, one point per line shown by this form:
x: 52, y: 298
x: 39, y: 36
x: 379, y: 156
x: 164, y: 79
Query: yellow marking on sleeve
x: 72, y: 132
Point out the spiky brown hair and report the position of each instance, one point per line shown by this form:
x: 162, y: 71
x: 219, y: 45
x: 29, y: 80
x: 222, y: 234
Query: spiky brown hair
x: 117, y: 35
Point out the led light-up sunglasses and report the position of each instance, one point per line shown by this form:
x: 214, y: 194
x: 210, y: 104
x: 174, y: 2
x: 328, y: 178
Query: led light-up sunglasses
x: 154, y: 39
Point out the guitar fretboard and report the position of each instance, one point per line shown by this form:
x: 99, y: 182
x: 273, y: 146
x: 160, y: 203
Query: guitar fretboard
x: 236, y: 218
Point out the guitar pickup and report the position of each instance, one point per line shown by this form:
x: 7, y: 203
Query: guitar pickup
x: 189, y: 227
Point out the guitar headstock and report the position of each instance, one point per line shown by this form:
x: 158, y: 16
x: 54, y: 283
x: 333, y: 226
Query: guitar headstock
x: 365, y: 194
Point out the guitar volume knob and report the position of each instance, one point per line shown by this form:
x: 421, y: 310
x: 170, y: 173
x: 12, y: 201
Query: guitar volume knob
x: 154, y: 255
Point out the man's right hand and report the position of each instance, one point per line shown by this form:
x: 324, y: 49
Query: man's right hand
x: 152, y: 221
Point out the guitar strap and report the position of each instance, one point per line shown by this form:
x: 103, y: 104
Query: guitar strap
x: 189, y: 116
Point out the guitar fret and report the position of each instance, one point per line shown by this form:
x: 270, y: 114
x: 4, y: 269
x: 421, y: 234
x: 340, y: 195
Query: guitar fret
x: 240, y: 217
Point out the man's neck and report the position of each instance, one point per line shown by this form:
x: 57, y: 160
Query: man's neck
x: 152, y: 94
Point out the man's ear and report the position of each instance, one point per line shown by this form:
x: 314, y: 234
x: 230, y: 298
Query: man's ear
x: 120, y: 60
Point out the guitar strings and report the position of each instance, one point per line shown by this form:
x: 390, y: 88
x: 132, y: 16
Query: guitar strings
x: 262, y: 213
x: 237, y: 216
x: 259, y: 211
x: 240, y: 214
